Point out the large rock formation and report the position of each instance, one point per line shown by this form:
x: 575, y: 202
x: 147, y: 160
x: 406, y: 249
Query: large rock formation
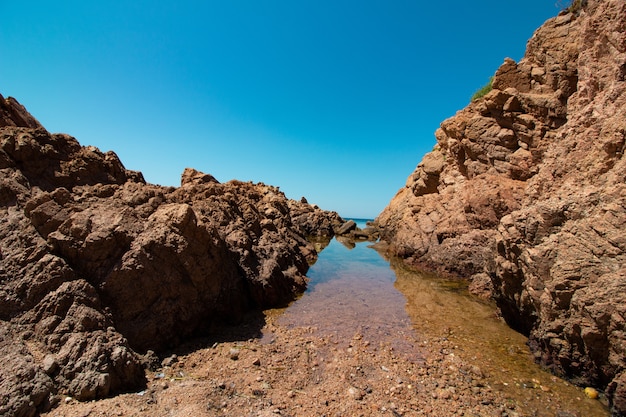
x: 525, y: 195
x: 96, y: 265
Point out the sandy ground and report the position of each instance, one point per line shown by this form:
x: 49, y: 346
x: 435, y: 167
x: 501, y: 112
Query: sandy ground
x: 267, y: 369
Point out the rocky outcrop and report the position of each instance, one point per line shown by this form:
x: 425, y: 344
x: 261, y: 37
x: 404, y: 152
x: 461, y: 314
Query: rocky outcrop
x: 524, y: 194
x: 350, y: 232
x: 97, y: 267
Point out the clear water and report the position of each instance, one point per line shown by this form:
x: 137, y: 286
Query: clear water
x: 354, y: 290
x: 444, y: 309
x: 351, y: 291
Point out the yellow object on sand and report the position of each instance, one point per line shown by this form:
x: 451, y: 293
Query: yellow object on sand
x: 591, y: 393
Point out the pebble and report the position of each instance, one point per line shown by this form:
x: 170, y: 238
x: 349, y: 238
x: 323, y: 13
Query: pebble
x: 444, y: 394
x: 476, y: 371
x: 355, y: 393
x: 169, y: 361
x: 234, y: 354
x: 50, y: 364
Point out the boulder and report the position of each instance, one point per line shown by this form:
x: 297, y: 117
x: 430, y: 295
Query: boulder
x: 346, y: 227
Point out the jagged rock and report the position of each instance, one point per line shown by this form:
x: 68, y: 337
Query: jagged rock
x: 192, y: 176
x: 13, y: 113
x: 96, y: 265
x: 345, y: 228
x: 24, y: 386
x: 531, y: 194
x: 310, y: 221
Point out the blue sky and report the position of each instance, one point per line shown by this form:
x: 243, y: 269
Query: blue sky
x: 336, y: 101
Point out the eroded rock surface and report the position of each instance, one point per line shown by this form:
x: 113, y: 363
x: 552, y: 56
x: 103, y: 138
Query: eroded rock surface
x: 96, y: 265
x: 524, y: 194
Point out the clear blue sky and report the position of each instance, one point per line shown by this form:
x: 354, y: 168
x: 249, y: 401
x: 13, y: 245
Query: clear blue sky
x: 333, y: 100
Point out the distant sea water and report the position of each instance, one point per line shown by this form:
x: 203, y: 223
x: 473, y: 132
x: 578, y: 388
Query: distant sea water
x: 360, y: 223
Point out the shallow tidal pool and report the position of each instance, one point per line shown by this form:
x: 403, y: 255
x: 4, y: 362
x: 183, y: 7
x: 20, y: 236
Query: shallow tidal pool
x: 353, y: 289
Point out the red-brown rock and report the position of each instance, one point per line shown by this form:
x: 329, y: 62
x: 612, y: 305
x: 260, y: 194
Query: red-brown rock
x: 96, y: 265
x: 532, y: 193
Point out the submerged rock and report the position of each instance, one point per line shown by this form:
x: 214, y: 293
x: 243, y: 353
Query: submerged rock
x: 527, y: 187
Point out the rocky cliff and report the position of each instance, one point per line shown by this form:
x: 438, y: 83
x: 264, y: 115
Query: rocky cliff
x: 525, y: 195
x: 97, y: 266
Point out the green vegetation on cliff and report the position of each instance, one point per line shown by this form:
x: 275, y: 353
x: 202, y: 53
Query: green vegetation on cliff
x: 483, y: 90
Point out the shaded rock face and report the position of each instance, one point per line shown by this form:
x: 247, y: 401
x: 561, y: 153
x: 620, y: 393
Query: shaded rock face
x: 527, y: 187
x: 96, y: 265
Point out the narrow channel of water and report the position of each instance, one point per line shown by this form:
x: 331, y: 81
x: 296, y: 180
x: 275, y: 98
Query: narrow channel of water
x: 355, y: 290
x: 444, y: 309
x: 351, y: 291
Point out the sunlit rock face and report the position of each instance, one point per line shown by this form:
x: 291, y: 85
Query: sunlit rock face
x: 97, y: 265
x: 525, y: 194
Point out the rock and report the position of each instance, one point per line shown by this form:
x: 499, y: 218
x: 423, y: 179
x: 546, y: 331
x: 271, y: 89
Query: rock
x: 13, y: 113
x: 345, y: 228
x: 50, y: 364
x: 563, y: 413
x: 355, y: 393
x: 310, y: 221
x: 444, y: 394
x: 192, y: 176
x: 481, y: 286
x: 151, y: 361
x: 476, y: 371
x: 24, y: 386
x: 169, y: 361
x: 97, y: 265
x: 530, y: 196
x: 90, y: 385
x: 234, y: 354
x: 616, y: 392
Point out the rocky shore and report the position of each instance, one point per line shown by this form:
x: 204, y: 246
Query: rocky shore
x: 98, y: 267
x: 298, y: 372
x: 524, y: 195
